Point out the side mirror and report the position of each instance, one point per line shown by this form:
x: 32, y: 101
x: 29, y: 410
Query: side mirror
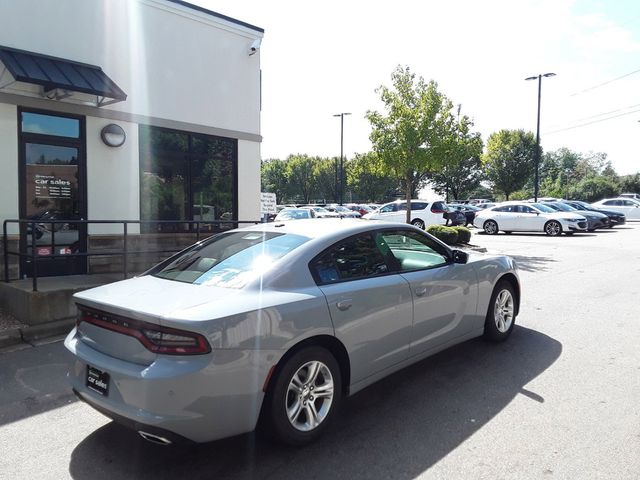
x: 460, y: 257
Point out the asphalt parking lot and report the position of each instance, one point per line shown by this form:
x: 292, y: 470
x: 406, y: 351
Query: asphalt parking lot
x: 558, y: 400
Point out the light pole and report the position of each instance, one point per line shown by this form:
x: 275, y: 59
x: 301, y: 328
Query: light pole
x: 537, y: 157
x: 341, y: 191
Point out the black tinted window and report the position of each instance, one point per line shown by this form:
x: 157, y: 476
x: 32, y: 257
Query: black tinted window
x: 418, y: 206
x: 355, y: 258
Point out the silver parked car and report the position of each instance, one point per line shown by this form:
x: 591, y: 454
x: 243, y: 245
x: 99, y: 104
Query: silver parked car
x: 277, y: 322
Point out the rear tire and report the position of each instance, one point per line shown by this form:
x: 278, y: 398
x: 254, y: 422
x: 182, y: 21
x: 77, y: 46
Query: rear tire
x: 304, y: 396
x: 490, y: 227
x: 501, y: 314
x: 418, y: 223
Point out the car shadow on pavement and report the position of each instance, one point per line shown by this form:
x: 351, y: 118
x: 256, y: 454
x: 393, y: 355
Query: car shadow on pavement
x: 397, y: 428
x: 532, y: 264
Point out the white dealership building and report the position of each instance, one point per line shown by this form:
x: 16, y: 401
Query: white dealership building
x: 144, y: 110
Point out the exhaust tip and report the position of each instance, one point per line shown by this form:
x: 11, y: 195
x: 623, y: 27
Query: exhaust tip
x: 157, y: 439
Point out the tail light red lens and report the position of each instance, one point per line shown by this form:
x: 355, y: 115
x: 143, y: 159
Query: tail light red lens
x: 438, y: 210
x: 155, y: 338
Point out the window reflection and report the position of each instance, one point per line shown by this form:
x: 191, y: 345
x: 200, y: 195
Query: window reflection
x: 186, y: 177
x: 50, y: 125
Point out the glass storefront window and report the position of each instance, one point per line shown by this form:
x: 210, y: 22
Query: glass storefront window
x: 50, y: 125
x: 186, y: 177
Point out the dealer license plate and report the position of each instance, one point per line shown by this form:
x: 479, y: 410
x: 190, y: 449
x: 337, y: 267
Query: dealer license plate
x: 97, y: 380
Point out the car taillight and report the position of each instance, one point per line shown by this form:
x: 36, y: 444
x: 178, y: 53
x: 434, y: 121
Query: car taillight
x: 155, y: 338
x: 437, y: 210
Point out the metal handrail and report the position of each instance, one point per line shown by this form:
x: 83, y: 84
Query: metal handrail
x: 125, y: 252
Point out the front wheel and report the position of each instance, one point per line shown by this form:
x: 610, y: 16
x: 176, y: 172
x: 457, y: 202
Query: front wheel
x: 305, y: 396
x: 490, y: 227
x: 418, y: 223
x: 501, y: 314
x: 553, y: 228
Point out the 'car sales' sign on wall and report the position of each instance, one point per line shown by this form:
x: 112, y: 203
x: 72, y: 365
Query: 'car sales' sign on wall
x: 49, y: 186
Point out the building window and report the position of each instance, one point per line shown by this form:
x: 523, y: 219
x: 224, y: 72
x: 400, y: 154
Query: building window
x: 186, y: 176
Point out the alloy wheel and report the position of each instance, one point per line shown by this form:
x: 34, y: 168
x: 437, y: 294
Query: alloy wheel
x: 309, y: 396
x: 503, y: 309
x: 553, y: 228
x: 418, y: 223
x: 490, y: 227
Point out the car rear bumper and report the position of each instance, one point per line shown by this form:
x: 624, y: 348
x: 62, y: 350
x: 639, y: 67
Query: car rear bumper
x: 159, y: 433
x: 200, y: 398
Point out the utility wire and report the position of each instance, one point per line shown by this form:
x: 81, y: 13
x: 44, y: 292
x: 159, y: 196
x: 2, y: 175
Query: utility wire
x: 601, y: 114
x: 604, y: 83
x: 590, y: 123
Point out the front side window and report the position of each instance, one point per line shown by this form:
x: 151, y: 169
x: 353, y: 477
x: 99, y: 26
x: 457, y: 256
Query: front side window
x: 410, y: 250
x: 229, y: 260
x: 185, y: 176
x: 353, y: 259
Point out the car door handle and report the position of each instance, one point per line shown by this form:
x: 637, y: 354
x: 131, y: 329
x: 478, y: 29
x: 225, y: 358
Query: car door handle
x: 421, y: 291
x: 344, y: 304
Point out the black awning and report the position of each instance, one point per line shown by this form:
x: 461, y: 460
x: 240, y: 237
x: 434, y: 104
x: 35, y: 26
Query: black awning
x: 59, y: 74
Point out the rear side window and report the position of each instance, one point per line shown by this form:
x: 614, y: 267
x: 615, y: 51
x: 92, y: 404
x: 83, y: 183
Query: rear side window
x: 504, y: 208
x: 438, y: 207
x: 353, y: 259
x: 418, y: 205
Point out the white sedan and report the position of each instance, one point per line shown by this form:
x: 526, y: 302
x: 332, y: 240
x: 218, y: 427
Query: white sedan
x: 528, y: 217
x: 629, y: 206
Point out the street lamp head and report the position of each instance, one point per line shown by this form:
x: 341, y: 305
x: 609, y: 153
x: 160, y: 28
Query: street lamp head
x: 550, y: 74
x: 532, y: 78
x: 341, y: 114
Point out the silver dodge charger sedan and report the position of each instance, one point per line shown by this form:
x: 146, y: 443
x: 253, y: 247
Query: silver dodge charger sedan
x: 276, y: 323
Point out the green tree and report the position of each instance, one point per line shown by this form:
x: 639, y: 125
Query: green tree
x: 273, y: 178
x: 563, y: 170
x: 509, y: 160
x: 408, y: 137
x: 558, y: 170
x: 324, y: 179
x: 462, y: 171
x: 300, y: 176
x: 593, y: 188
x: 366, y: 178
x: 630, y: 183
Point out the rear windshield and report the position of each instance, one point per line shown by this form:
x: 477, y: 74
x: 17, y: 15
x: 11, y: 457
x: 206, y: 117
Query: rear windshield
x: 230, y: 259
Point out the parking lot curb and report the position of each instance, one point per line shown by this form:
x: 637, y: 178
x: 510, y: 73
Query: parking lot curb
x: 11, y: 337
x: 34, y: 333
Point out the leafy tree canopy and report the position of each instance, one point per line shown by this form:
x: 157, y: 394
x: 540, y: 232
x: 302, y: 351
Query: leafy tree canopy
x: 509, y: 160
x: 409, y: 136
x: 462, y: 171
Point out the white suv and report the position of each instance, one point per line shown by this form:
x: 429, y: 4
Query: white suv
x: 423, y: 213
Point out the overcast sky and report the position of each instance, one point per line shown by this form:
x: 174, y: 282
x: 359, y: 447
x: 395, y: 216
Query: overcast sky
x: 322, y: 58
